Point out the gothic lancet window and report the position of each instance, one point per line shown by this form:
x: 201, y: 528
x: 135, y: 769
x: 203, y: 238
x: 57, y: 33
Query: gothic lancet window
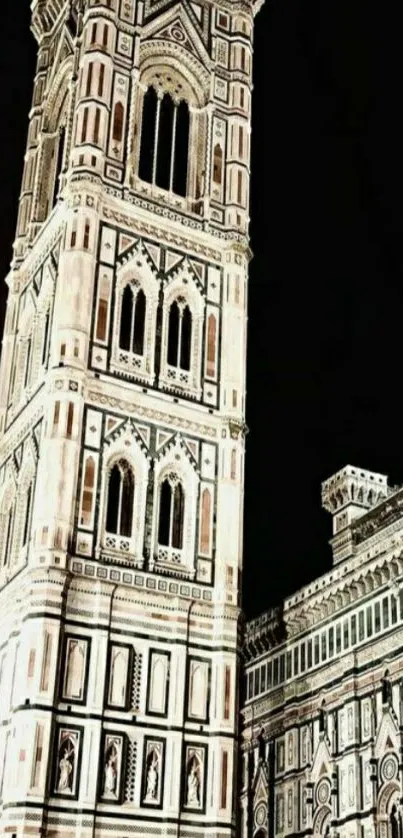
x: 179, y: 336
x: 132, y: 321
x: 164, y: 146
x: 119, y: 513
x: 171, y: 515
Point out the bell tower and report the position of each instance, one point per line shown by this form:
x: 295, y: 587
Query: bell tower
x: 122, y: 405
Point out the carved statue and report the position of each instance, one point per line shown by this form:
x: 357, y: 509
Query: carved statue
x: 152, y: 779
x: 193, y: 785
x: 110, y: 775
x: 66, y: 770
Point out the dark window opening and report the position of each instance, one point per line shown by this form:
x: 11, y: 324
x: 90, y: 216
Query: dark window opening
x: 97, y: 124
x: 171, y: 515
x: 177, y: 524
x: 119, y: 515
x: 165, y: 514
x: 179, y: 337
x: 126, y: 319
x: 132, y: 321
x: 181, y: 150
x: 139, y: 323
x: 148, y: 135
x: 164, y: 146
x: 173, y: 334
x: 186, y: 339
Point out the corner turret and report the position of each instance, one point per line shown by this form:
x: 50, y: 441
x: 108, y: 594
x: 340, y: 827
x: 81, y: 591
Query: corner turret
x: 347, y: 495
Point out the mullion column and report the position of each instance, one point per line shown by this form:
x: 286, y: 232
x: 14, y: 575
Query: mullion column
x: 156, y: 133
x: 172, y: 165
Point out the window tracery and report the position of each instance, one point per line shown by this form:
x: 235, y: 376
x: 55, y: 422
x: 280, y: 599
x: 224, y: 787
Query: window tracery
x: 124, y: 493
x: 176, y: 486
x: 164, y: 145
x: 171, y: 513
x: 132, y: 319
x: 170, y: 126
x: 183, y: 313
x: 119, y: 511
x: 135, y: 318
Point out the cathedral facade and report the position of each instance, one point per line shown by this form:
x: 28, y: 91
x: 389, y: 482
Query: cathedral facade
x: 322, y: 715
x: 122, y: 426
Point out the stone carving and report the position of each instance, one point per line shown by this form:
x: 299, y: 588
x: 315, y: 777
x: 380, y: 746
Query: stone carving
x: 194, y: 777
x: 112, y: 766
x: 153, y: 767
x: 67, y: 752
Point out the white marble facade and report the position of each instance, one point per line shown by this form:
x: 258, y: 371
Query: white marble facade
x: 122, y: 423
x: 323, y: 711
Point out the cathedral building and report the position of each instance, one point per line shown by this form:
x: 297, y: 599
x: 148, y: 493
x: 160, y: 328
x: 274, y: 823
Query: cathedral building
x: 122, y: 426
x: 322, y: 716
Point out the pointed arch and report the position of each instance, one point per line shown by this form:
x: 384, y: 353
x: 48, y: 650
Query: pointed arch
x: 181, y: 153
x: 163, y: 142
x: 120, y: 499
x: 186, y: 339
x: 171, y: 514
x: 139, y: 323
x: 126, y: 319
x: 148, y: 126
x: 179, y: 336
x: 133, y: 320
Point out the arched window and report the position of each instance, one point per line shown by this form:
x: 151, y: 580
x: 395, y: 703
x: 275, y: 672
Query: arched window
x: 164, y: 143
x: 181, y: 150
x: 171, y: 515
x: 179, y: 336
x: 118, y: 117
x: 148, y: 126
x: 164, y: 146
x: 132, y: 321
x: 119, y: 514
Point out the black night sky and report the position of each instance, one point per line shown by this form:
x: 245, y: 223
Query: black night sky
x: 326, y: 297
